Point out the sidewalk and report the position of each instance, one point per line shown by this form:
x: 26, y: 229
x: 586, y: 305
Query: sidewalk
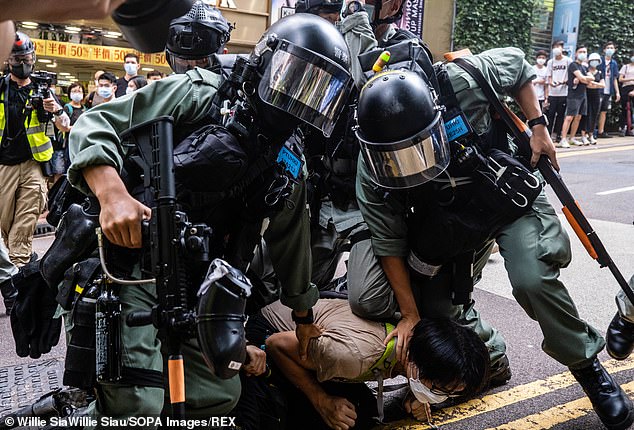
x: 616, y: 140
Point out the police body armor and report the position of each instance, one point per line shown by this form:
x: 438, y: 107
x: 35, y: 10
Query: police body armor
x: 467, y: 205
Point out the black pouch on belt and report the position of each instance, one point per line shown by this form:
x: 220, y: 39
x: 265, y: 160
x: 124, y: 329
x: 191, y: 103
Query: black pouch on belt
x: 75, y: 280
x: 462, y: 278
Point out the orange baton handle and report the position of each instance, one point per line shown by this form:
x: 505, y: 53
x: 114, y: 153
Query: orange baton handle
x: 583, y: 237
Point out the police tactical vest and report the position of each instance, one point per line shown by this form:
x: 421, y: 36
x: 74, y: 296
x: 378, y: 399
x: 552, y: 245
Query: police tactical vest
x: 40, y: 144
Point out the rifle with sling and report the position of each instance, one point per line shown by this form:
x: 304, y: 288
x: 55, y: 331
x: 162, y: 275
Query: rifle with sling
x: 571, y: 209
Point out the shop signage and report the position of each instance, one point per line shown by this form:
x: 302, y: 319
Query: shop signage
x: 111, y: 54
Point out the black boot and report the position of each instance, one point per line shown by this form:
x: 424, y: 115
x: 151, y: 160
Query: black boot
x: 9, y: 293
x: 610, y: 403
x: 620, y: 338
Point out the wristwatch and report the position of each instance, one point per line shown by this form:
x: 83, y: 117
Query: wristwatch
x: 58, y: 112
x: 308, y: 319
x: 353, y: 7
x: 539, y: 120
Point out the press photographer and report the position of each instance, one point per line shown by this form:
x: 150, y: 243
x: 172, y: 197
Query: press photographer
x: 26, y: 105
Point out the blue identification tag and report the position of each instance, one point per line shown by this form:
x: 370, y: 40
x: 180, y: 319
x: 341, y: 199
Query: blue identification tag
x: 457, y: 127
x: 290, y: 161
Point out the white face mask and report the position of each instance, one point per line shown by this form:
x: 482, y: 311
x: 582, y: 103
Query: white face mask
x: 105, y: 92
x: 76, y: 97
x: 582, y: 56
x: 631, y: 59
x: 557, y: 52
x: 130, y: 68
x: 129, y: 90
x: 595, y: 63
x: 424, y: 394
x: 541, y: 61
x: 609, y: 52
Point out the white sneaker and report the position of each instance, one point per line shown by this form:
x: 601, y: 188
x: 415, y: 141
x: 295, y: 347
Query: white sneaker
x: 575, y: 142
x: 585, y: 140
x: 563, y: 143
x: 592, y: 140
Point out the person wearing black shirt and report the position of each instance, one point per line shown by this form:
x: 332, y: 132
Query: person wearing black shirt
x: 131, y: 66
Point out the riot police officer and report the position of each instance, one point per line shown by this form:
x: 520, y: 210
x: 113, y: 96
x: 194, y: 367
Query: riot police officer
x: 272, y: 103
x: 429, y: 222
x: 195, y: 37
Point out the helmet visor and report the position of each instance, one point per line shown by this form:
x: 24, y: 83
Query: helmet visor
x: 180, y: 64
x: 305, y: 85
x: 410, y: 162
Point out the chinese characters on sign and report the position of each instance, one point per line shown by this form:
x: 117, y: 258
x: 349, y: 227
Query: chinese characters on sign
x: 52, y: 48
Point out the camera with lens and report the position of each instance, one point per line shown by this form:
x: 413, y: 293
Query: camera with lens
x: 42, y: 82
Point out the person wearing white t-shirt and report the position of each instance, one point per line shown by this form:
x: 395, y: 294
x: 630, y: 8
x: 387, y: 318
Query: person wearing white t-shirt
x: 626, y: 79
x: 557, y: 69
x: 540, y: 83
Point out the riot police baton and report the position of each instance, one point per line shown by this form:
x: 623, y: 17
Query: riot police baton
x: 577, y: 220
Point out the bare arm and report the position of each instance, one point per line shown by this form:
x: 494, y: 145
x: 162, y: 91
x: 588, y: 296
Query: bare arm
x: 397, y: 274
x: 617, y: 92
x: 121, y: 215
x: 584, y: 79
x: 541, y: 143
x: 337, y: 412
x: 594, y: 84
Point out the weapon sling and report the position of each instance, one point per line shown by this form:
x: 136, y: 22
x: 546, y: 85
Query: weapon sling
x: 580, y: 224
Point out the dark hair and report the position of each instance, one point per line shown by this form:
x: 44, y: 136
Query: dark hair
x: 557, y: 43
x: 541, y: 53
x: 74, y: 85
x: 581, y: 47
x: 139, y: 81
x: 108, y: 77
x: 609, y: 43
x: 131, y: 55
x: 154, y: 73
x: 448, y: 355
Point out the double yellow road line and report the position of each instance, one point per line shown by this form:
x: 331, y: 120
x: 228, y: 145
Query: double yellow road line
x: 542, y: 420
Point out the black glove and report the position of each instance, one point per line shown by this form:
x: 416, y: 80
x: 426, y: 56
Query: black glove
x: 35, y: 331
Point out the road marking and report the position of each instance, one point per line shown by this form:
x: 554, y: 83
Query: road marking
x: 617, y: 190
x: 594, y: 151
x: 557, y: 415
x: 506, y: 398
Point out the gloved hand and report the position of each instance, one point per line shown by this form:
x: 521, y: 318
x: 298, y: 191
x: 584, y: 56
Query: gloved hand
x: 35, y: 331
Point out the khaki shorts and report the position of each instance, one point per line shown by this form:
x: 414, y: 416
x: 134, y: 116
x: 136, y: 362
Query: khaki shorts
x: 348, y: 346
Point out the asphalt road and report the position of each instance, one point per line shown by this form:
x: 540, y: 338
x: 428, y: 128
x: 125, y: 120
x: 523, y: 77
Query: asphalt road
x: 541, y: 394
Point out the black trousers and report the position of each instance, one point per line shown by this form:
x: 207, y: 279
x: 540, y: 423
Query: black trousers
x: 624, y: 99
x: 589, y: 121
x: 556, y: 113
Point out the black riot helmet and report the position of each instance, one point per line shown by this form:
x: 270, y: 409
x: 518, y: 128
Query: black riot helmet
x: 302, y: 66
x: 195, y: 37
x: 401, y: 130
x: 318, y: 6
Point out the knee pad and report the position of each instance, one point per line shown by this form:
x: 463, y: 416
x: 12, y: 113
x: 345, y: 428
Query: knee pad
x: 75, y: 240
x: 220, y: 318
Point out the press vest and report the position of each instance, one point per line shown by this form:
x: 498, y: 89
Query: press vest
x: 40, y: 144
